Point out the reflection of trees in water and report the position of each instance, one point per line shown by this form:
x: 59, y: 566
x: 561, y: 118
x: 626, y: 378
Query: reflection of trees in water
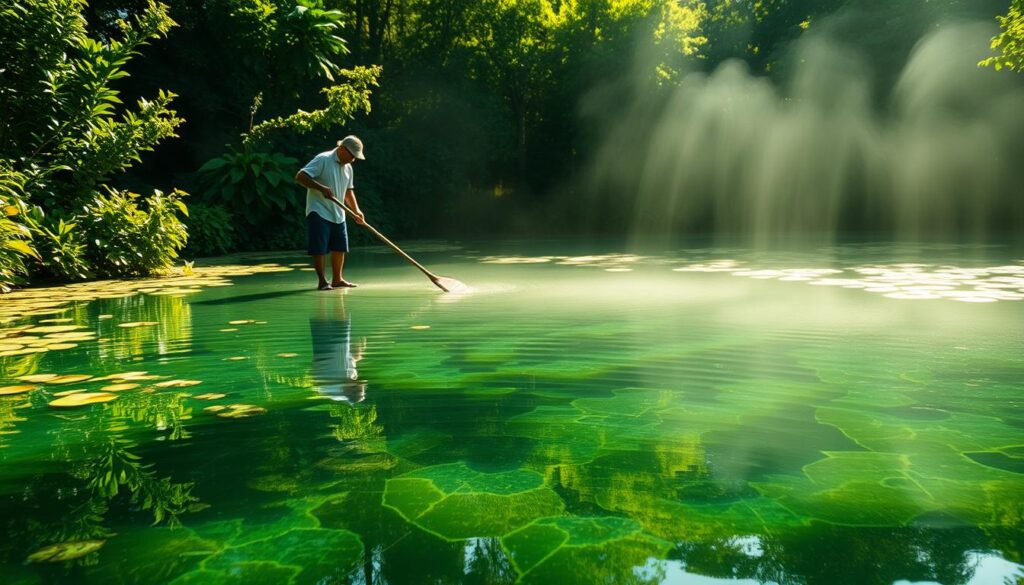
x: 487, y: 563
x: 93, y: 464
x: 356, y: 423
x: 162, y: 411
x: 836, y: 555
x: 111, y: 468
x: 12, y: 368
x: 172, y: 331
x: 9, y: 416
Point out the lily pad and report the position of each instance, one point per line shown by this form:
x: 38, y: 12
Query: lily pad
x: 37, y: 377
x: 54, y: 328
x: 134, y: 324
x: 236, y: 358
x: 134, y: 375
x: 210, y: 396
x: 60, y: 346
x: 65, y: 551
x: 16, y: 389
x: 71, y: 335
x: 120, y: 387
x: 69, y: 379
x: 82, y: 399
x: 287, y: 355
x: 23, y: 351
x: 178, y: 383
x: 241, y: 322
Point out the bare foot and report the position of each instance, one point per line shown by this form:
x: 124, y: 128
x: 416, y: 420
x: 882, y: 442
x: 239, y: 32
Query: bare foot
x: 344, y: 284
x: 324, y: 286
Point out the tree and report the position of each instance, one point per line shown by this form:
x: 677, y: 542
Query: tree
x: 529, y: 51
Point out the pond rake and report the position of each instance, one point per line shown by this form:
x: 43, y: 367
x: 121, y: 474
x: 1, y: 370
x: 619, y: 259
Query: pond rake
x: 442, y: 282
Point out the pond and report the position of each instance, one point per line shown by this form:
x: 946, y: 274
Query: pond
x: 702, y: 415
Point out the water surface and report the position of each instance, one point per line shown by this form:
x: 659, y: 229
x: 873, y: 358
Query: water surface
x: 586, y: 415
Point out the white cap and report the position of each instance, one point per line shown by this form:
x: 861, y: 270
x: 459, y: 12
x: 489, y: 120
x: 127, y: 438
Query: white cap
x: 353, y: 145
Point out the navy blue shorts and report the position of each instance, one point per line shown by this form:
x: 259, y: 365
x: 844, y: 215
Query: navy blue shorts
x: 325, y: 236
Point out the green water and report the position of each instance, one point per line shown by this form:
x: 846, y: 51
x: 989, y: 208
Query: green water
x: 702, y: 416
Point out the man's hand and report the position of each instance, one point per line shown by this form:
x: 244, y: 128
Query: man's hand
x: 327, y: 193
x: 359, y: 217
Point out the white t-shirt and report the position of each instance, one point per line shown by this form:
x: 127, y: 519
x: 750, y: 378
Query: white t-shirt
x: 327, y: 169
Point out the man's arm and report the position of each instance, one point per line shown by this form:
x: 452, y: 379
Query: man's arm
x: 350, y: 201
x: 310, y: 183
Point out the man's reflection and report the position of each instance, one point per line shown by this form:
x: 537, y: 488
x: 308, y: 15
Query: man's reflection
x: 334, y: 360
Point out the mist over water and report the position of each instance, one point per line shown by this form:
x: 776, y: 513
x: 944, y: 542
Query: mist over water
x: 939, y: 153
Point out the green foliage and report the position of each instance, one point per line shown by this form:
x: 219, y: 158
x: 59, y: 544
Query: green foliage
x: 310, y: 34
x: 1009, y: 44
x: 15, y: 247
x: 61, y: 126
x: 66, y: 132
x: 253, y: 185
x: 15, y: 237
x: 62, y: 249
x: 210, y: 230
x: 126, y: 240
x: 289, y: 42
x: 287, y: 233
x: 114, y: 467
x: 755, y: 31
x: 344, y: 101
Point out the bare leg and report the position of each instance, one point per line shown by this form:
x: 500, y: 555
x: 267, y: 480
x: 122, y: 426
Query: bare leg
x: 318, y: 263
x: 337, y: 265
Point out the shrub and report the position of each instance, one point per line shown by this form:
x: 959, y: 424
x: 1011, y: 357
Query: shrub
x: 288, y: 234
x: 62, y: 248
x: 64, y: 126
x: 210, y: 230
x: 254, y: 185
x: 15, y: 247
x: 15, y: 236
x: 125, y: 240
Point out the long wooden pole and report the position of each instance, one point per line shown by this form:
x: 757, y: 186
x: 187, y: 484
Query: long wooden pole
x: 390, y: 244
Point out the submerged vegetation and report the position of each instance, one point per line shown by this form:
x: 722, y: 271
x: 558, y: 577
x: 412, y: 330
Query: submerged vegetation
x: 197, y: 433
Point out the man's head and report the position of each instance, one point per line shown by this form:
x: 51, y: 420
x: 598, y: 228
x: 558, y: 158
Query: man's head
x: 350, y: 148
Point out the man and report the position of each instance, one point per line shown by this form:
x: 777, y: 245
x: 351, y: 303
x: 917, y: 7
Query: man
x: 327, y: 175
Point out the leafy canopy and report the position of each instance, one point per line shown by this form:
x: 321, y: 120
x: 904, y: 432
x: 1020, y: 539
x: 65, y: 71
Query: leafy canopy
x: 1009, y: 44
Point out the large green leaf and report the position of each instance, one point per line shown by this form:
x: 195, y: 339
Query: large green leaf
x: 22, y: 247
x: 213, y: 164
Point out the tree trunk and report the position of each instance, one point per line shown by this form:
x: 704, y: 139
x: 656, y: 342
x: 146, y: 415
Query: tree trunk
x: 357, y: 32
